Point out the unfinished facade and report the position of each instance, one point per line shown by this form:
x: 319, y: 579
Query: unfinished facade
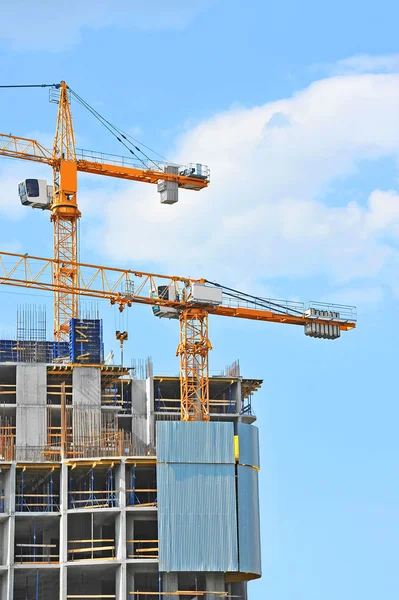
x: 105, y: 493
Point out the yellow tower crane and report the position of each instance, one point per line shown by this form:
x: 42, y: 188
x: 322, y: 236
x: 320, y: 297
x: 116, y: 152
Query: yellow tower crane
x: 62, y: 200
x: 189, y: 300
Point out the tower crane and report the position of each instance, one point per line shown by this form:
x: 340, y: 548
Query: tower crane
x: 189, y: 300
x: 62, y: 200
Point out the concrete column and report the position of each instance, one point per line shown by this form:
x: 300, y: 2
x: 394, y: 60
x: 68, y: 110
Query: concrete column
x: 149, y: 388
x: 121, y: 589
x: 31, y: 422
x: 120, y: 536
x: 129, y: 534
x: 239, y: 590
x: 130, y: 583
x: 10, y: 585
x: 4, y: 584
x: 238, y: 398
x: 63, y: 582
x: 214, y: 582
x: 11, y: 529
x: 11, y: 488
x: 120, y: 526
x: 120, y: 481
x: 63, y: 530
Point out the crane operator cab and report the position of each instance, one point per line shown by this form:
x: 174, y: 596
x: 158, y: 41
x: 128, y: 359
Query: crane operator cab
x: 36, y: 193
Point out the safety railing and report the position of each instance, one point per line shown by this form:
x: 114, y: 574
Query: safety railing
x: 93, y: 498
x: 36, y: 553
x: 90, y: 596
x: 35, y: 502
x: 190, y: 170
x: 141, y: 497
x: 139, y: 549
x: 91, y: 549
x: 216, y: 406
x: 145, y: 595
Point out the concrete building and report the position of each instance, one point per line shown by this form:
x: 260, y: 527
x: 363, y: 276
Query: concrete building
x: 105, y: 493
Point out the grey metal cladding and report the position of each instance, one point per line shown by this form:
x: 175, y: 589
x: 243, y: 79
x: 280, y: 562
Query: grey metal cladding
x: 249, y: 445
x: 249, y: 520
x: 195, y: 442
x: 197, y: 522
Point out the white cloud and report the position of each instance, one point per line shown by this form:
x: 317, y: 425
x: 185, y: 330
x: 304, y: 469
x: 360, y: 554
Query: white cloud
x: 55, y: 26
x: 359, y: 64
x: 365, y: 63
x: 262, y: 216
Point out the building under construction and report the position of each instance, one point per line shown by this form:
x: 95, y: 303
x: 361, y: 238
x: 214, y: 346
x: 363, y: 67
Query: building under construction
x: 116, y: 483
x: 106, y: 493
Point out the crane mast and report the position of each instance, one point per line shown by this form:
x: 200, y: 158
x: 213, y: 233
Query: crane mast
x: 65, y: 216
x: 193, y: 351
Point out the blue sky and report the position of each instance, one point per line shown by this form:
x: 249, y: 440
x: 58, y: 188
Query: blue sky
x: 294, y: 106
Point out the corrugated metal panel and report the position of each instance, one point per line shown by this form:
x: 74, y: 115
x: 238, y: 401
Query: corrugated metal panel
x: 249, y: 445
x: 197, y: 522
x: 181, y: 442
x: 249, y: 520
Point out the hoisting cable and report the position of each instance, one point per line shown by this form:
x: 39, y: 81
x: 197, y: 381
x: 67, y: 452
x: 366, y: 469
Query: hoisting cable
x: 104, y: 123
x: 116, y: 132
x: 263, y: 302
x: 37, y: 85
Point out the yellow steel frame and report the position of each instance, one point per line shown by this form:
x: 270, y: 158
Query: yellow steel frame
x: 65, y: 216
x: 68, y: 279
x: 126, y: 287
x: 64, y: 210
x: 25, y: 148
x: 193, y: 350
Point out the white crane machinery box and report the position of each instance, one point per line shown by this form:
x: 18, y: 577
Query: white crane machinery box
x: 204, y: 294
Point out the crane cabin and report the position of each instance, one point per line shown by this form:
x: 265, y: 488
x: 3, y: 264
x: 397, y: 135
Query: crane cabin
x: 36, y: 193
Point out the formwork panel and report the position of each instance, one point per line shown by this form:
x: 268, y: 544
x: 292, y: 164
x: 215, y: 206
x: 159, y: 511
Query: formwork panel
x: 197, y: 520
x: 249, y: 445
x: 192, y: 442
x: 86, y: 341
x: 248, y: 520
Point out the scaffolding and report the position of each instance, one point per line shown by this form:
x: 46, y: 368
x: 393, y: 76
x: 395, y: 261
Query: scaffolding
x: 35, y: 552
x: 82, y: 491
x: 142, y: 496
x: 36, y: 491
x: 7, y: 439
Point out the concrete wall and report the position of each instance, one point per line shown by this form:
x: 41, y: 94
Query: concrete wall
x: 86, y: 402
x: 31, y: 416
x: 140, y: 434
